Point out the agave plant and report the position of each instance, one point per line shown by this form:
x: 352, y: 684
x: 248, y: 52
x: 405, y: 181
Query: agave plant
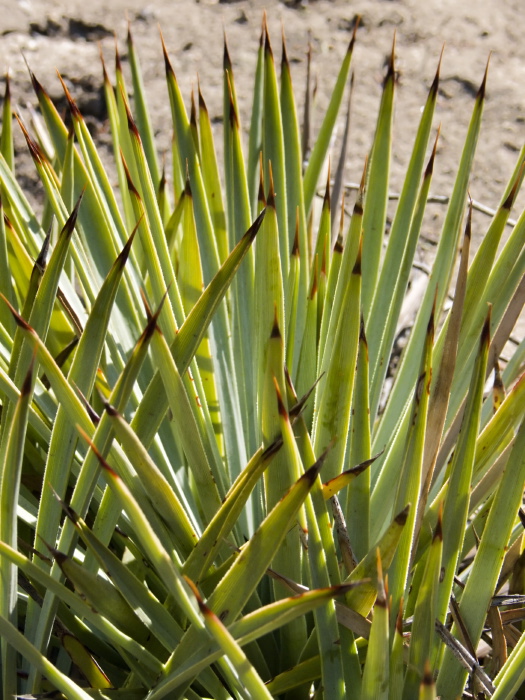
x: 210, y: 485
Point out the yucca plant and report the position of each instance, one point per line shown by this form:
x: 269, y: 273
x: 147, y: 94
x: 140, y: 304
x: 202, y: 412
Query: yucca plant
x: 211, y: 486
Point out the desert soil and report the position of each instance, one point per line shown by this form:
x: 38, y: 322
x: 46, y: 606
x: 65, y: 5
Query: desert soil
x: 57, y: 35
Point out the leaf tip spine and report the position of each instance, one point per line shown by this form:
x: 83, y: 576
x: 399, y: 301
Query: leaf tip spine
x: 129, y: 180
x: 267, y: 44
x: 483, y: 87
x: 281, y: 408
x: 430, y: 166
x: 37, y: 85
x: 118, y: 62
x: 7, y: 92
x: 20, y: 322
x: 402, y: 517
x: 27, y: 384
x: 270, y: 199
x: 129, y: 36
x: 254, y: 228
x: 36, y: 152
x: 510, y: 199
x: 295, y: 247
x: 485, y: 333
x: 276, y: 331
x: 226, y: 58
x: 167, y: 63
x: 357, y: 21
x: 326, y: 200
x: 202, y: 103
x: 362, y: 332
x: 435, y: 83
x: 357, y: 265
x: 468, y: 225
x: 73, y: 107
x: 390, y: 76
x: 438, y: 531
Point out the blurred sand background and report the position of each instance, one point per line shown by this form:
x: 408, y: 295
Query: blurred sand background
x: 65, y: 36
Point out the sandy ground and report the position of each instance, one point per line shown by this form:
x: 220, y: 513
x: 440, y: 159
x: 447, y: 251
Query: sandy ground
x: 65, y: 36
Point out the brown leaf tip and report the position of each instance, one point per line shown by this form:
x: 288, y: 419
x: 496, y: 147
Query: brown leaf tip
x: 276, y: 331
x: 102, y: 462
x: 438, y: 532
x: 187, y: 184
x: 70, y: 224
x: 435, y: 83
x: 193, y: 111
x: 129, y: 37
x: 312, y: 473
x: 468, y: 225
x: 167, y: 63
x: 20, y: 322
x: 7, y: 93
x: 163, y: 180
x: 150, y: 328
x: 261, y: 197
x: 295, y: 246
x: 254, y: 228
x: 71, y: 514
x: 356, y: 22
x: 205, y: 610
x: 431, y: 320
x: 75, y: 112
x: 124, y: 253
x: 362, y: 333
x: 226, y: 58
x: 37, y: 86
x: 280, y: 403
x: 28, y: 380
x: 357, y: 265
x: 482, y: 88
x: 118, y: 62
x: 37, y: 153
x: 129, y: 181
x: 232, y: 112
x: 93, y: 415
x: 485, y: 333
x: 402, y: 517
x: 430, y: 166
x: 285, y: 63
x: 60, y: 557
x: 509, y: 201
x: 41, y: 261
x: 267, y: 44
x: 261, y: 35
x: 202, y: 104
x: 391, y: 70
x: 270, y: 199
x: 131, y: 122
x: 111, y: 410
x: 326, y: 200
